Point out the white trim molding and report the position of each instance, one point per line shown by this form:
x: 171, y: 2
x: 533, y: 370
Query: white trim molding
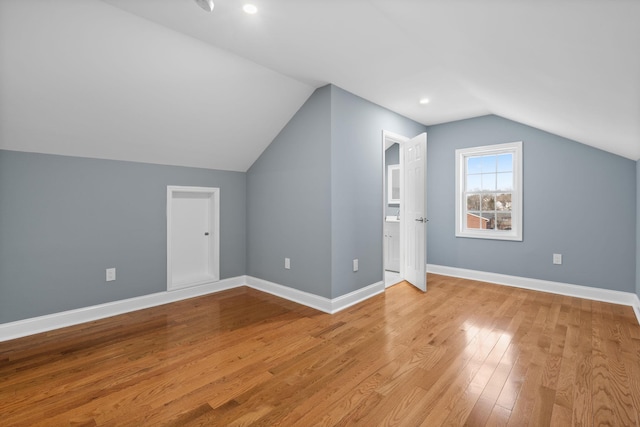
x: 291, y: 294
x: 462, y: 155
x: 324, y: 304
x: 586, y: 292
x: 359, y: 295
x: 35, y: 325
x: 49, y: 322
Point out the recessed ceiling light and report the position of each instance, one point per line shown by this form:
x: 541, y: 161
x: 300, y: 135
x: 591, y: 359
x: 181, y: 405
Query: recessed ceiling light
x: 206, y: 5
x: 250, y: 9
x: 424, y: 101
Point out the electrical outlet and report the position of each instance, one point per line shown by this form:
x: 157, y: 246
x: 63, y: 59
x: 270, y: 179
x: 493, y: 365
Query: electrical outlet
x: 355, y: 264
x: 557, y: 259
x: 287, y: 263
x: 111, y: 274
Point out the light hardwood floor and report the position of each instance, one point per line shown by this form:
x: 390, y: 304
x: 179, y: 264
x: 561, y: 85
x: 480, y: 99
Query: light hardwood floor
x: 463, y: 353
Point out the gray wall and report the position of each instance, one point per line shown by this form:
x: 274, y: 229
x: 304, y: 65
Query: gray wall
x: 357, y: 187
x: 64, y: 220
x: 289, y: 202
x: 577, y: 202
x: 315, y: 196
x: 391, y: 157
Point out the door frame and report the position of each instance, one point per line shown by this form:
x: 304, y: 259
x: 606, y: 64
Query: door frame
x: 214, y: 233
x: 388, y: 139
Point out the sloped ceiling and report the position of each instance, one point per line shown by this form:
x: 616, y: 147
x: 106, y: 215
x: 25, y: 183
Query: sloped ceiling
x: 163, y: 81
x: 83, y: 78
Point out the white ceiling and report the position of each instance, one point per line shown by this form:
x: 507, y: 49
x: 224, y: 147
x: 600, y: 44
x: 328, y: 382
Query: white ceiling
x: 170, y: 83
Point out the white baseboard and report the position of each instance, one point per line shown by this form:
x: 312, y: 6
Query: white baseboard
x: 359, y: 295
x: 314, y: 301
x: 291, y: 294
x: 597, y: 294
x: 35, y: 325
x: 22, y: 328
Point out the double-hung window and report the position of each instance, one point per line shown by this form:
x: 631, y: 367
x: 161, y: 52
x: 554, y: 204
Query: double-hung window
x: 489, y: 192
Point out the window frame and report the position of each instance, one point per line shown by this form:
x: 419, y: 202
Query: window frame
x: 515, y: 234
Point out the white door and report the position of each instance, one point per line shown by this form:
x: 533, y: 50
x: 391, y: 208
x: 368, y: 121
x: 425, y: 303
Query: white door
x: 415, y: 208
x: 192, y: 236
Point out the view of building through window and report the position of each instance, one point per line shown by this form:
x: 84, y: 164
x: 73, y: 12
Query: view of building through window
x: 488, y: 191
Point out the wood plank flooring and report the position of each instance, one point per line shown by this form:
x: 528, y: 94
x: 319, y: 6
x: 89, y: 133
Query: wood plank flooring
x: 464, y: 353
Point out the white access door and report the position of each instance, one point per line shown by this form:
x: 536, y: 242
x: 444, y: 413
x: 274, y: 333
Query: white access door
x: 415, y: 208
x: 192, y: 236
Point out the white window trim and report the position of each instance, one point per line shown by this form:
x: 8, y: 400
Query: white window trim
x: 516, y: 199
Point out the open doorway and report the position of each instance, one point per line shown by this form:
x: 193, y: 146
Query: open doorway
x: 392, y: 209
x: 404, y: 209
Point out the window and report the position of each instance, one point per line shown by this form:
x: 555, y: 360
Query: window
x: 489, y: 192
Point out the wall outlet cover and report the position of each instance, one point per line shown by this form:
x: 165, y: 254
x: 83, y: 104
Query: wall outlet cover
x: 557, y: 259
x: 111, y: 274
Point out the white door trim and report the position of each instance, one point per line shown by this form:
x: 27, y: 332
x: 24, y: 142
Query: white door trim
x: 214, y: 237
x: 388, y: 139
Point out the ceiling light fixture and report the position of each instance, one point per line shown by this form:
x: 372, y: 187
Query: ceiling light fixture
x: 205, y: 4
x: 250, y: 9
x: 424, y: 101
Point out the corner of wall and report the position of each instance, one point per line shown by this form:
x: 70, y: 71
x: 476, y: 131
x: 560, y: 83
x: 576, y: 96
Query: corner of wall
x: 638, y: 230
x: 288, y: 202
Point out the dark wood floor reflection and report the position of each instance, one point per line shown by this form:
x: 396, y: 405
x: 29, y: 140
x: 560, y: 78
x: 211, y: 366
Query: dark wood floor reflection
x: 463, y: 353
